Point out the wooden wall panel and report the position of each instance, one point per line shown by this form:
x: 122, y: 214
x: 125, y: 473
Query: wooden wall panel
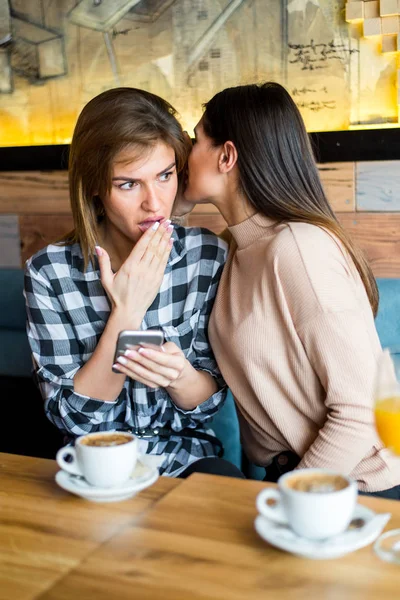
x: 10, y: 246
x: 46, y: 192
x: 339, y: 185
x: 40, y: 199
x: 378, y: 234
x: 34, y: 192
x: 36, y: 231
x: 378, y: 186
x: 215, y: 222
x: 205, y: 209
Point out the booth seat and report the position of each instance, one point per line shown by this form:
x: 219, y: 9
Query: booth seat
x: 15, y: 356
x: 24, y: 428
x: 388, y: 318
x: 22, y: 407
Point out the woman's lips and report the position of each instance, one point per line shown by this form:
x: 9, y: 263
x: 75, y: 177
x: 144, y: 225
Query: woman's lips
x: 145, y: 225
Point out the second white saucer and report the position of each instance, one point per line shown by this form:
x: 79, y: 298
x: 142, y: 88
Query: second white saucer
x: 284, y: 538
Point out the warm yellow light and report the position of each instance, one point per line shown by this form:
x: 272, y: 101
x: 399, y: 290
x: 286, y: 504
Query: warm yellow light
x: 189, y: 126
x: 23, y: 141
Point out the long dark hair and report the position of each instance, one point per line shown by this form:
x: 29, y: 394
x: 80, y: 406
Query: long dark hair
x: 114, y: 120
x: 277, y: 169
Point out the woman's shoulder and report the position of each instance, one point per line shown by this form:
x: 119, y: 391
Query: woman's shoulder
x: 52, y: 258
x: 311, y: 244
x: 305, y: 234
x: 313, y: 265
x: 203, y: 241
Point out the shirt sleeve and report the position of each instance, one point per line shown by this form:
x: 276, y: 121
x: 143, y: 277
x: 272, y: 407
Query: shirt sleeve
x: 58, y: 355
x: 202, y: 359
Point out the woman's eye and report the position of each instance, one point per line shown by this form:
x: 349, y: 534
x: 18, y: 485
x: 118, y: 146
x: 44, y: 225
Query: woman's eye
x: 128, y: 185
x: 166, y: 176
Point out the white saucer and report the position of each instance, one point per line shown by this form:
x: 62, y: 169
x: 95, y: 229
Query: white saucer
x: 142, y: 477
x: 284, y: 538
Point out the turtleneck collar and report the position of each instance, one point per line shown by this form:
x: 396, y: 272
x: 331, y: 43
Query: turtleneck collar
x: 252, y: 229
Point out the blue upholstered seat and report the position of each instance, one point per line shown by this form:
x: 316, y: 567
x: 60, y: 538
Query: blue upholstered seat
x: 388, y: 317
x: 226, y: 427
x: 15, y: 355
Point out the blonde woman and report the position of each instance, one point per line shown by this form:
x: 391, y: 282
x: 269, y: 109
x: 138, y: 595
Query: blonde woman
x: 126, y: 267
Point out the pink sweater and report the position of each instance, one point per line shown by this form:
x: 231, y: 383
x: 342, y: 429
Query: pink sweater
x: 294, y: 336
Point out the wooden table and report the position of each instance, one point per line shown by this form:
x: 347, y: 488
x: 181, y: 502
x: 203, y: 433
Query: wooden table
x: 46, y: 532
x: 191, y: 539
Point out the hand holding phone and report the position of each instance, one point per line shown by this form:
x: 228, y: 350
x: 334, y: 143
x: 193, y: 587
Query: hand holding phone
x: 148, y: 365
x: 129, y: 339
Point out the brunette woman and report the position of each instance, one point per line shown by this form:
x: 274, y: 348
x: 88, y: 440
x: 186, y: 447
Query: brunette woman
x: 292, y: 327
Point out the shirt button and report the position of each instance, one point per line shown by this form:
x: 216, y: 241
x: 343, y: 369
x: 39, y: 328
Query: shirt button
x: 283, y: 460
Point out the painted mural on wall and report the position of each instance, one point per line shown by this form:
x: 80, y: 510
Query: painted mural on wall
x: 55, y: 55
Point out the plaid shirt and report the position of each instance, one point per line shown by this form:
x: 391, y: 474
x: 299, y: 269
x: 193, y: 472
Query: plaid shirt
x: 67, y: 309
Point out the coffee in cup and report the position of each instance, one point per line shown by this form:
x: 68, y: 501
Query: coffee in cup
x: 317, y: 483
x: 109, y: 439
x: 105, y: 459
x: 315, y: 503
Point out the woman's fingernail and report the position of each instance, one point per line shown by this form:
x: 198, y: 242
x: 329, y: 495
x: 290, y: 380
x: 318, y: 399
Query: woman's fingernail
x: 156, y: 225
x: 122, y: 360
x: 129, y: 353
x: 142, y: 351
x: 116, y: 366
x: 170, y: 228
x: 99, y: 251
x: 166, y: 223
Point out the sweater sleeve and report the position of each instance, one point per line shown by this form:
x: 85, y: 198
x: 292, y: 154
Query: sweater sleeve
x: 334, y: 322
x: 340, y: 350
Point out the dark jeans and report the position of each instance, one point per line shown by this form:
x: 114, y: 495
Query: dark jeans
x: 281, y: 463
x: 212, y: 466
x: 391, y: 494
x: 31, y: 433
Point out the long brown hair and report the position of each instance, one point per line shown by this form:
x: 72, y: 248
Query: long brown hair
x: 113, y: 121
x: 277, y: 170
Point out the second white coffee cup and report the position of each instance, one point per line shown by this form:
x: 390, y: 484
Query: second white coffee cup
x: 107, y: 465
x: 310, y: 514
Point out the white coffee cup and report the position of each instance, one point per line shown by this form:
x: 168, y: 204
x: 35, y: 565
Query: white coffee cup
x: 311, y: 514
x: 102, y: 466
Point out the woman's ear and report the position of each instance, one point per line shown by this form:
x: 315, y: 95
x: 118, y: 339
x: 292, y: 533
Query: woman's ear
x: 228, y: 157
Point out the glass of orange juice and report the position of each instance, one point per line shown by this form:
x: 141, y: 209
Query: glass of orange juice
x: 387, y: 421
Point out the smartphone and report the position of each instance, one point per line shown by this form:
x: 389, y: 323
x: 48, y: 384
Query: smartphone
x: 128, y: 339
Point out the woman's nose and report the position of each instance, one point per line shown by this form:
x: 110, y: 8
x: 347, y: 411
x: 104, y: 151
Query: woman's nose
x: 151, y: 201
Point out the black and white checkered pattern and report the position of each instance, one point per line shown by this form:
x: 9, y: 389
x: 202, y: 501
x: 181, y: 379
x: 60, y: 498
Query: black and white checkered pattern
x: 67, y: 310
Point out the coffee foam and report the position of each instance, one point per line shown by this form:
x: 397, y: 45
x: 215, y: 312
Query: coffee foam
x: 104, y: 441
x: 317, y: 484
